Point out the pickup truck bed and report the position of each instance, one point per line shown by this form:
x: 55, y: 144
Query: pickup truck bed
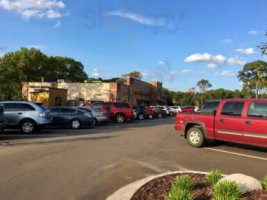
x: 234, y: 120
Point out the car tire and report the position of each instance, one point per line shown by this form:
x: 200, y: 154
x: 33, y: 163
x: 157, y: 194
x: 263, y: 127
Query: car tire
x: 150, y: 116
x: 120, y: 118
x: 94, y: 122
x: 195, y: 137
x: 75, y: 124
x: 171, y: 113
x: 159, y: 115
x: 28, y: 126
x: 141, y: 116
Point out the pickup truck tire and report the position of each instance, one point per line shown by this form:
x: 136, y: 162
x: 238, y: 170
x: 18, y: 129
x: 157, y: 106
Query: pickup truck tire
x: 195, y: 137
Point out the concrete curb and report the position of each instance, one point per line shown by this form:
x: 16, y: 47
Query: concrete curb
x: 126, y: 192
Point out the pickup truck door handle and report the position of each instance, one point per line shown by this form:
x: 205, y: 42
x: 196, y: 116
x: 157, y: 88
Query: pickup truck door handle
x: 222, y: 121
x: 248, y: 122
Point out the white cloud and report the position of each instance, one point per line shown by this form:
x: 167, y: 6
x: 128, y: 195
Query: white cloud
x: 96, y: 73
x: 161, y: 63
x: 198, y: 57
x: 227, y: 40
x: 225, y: 73
x: 58, y: 24
x: 186, y: 71
x: 27, y: 9
x: 212, y: 61
x: 236, y: 61
x: 139, y: 18
x: 253, y: 32
x: 247, y: 51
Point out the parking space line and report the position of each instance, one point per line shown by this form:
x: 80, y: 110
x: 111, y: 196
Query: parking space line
x: 238, y: 154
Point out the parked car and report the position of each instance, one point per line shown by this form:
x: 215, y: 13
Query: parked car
x: 139, y: 112
x: 159, y: 112
x: 73, y: 117
x: 98, y: 117
x: 234, y: 120
x: 188, y: 109
x: 120, y: 112
x: 150, y: 112
x: 176, y: 109
x: 27, y: 116
x: 2, y: 120
x: 164, y: 108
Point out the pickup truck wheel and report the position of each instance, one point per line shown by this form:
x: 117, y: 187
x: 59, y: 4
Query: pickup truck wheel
x: 195, y: 137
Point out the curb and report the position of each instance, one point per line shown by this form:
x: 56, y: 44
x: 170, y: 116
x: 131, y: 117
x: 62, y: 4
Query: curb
x: 126, y: 192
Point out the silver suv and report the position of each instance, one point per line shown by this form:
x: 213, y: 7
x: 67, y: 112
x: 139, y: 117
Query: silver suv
x: 27, y: 116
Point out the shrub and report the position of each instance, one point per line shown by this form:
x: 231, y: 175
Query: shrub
x: 180, y: 188
x: 177, y: 194
x: 264, y: 183
x: 183, y: 183
x: 214, y: 176
x: 226, y: 190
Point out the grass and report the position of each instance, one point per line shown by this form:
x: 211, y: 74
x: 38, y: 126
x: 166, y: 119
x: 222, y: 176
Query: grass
x: 180, y: 188
x: 264, y: 183
x: 183, y: 183
x: 214, y: 176
x: 226, y: 190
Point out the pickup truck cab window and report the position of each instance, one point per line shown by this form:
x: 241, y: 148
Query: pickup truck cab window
x: 258, y: 110
x: 232, y: 109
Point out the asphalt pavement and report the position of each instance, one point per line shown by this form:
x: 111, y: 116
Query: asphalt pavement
x: 92, y: 163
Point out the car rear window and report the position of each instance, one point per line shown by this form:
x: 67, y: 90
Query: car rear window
x: 257, y: 109
x: 67, y: 110
x: 233, y: 108
x: 210, y: 106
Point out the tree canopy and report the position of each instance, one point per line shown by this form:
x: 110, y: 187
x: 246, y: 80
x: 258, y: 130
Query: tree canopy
x: 31, y: 65
x: 263, y: 46
x: 254, y: 76
x: 203, y: 85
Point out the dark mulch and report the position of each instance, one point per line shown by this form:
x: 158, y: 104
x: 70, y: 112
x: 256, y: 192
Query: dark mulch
x: 159, y: 187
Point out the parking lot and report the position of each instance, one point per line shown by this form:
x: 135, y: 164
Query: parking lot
x: 92, y: 163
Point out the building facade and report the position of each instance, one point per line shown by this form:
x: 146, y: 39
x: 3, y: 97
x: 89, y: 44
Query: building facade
x: 134, y: 91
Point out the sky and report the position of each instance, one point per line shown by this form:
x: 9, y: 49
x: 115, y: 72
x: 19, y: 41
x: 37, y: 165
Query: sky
x: 177, y: 42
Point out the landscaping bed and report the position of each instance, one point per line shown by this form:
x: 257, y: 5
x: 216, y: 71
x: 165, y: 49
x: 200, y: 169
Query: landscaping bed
x: 202, y: 189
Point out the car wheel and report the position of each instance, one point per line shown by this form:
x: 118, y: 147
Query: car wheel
x: 160, y: 116
x: 120, y: 118
x: 150, y: 116
x: 195, y: 137
x: 141, y: 116
x: 75, y: 124
x: 94, y: 122
x: 28, y: 126
x: 171, y: 113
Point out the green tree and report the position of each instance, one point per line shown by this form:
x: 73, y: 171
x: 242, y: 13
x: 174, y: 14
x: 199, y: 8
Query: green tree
x: 28, y: 65
x: 254, y: 77
x: 134, y: 74
x: 263, y: 47
x: 203, y: 86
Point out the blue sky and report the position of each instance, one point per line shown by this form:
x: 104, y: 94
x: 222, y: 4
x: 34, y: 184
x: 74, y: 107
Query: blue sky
x: 177, y: 42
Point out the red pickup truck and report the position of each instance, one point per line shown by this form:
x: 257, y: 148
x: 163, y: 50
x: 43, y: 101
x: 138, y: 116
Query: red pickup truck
x: 233, y: 120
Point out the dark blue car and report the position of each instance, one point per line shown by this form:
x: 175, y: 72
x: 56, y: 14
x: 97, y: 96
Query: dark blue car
x: 73, y: 117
